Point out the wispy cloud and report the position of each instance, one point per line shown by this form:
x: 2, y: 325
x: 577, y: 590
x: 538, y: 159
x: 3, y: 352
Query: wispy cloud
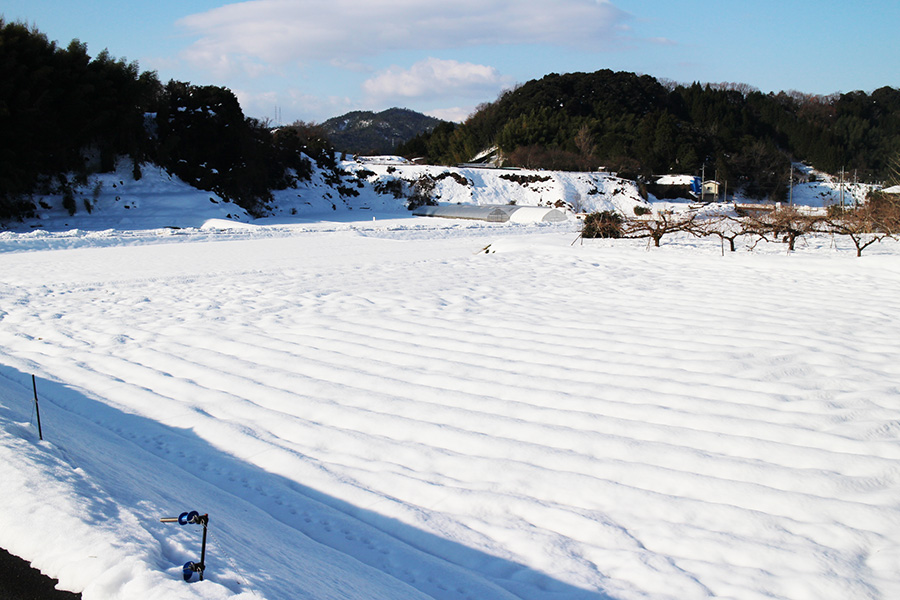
x: 274, y: 32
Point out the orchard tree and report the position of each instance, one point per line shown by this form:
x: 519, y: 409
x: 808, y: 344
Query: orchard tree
x: 782, y: 224
x: 874, y: 220
x: 859, y: 225
x: 658, y: 224
x: 725, y: 228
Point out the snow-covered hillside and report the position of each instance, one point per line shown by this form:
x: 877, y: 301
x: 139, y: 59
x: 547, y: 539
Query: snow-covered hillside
x: 369, y: 183
x: 118, y: 201
x: 815, y: 188
x: 368, y: 187
x: 410, y: 408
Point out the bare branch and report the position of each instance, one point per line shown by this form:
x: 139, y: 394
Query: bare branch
x: 864, y: 225
x: 659, y: 224
x: 785, y: 224
x: 725, y: 228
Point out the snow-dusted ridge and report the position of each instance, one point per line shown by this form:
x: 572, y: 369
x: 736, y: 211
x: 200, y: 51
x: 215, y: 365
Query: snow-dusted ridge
x: 416, y: 408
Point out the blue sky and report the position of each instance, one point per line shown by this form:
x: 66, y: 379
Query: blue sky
x: 314, y: 59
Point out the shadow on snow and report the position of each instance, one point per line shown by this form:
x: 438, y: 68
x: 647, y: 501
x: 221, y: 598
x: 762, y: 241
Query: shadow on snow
x: 280, y: 538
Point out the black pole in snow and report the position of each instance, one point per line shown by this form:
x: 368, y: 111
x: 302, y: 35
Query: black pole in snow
x: 204, y: 520
x: 196, y: 518
x: 37, y: 409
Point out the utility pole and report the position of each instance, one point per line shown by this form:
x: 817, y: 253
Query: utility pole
x: 842, y: 188
x: 702, y: 180
x: 791, y: 187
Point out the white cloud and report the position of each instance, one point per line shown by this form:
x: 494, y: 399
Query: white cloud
x: 284, y: 31
x: 434, y: 77
x: 456, y: 114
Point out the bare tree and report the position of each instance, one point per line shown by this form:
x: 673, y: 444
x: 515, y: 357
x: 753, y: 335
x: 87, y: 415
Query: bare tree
x: 858, y: 225
x: 744, y: 89
x: 894, y: 169
x: 785, y: 224
x: 584, y: 140
x: 659, y: 224
x: 725, y: 228
x: 871, y: 222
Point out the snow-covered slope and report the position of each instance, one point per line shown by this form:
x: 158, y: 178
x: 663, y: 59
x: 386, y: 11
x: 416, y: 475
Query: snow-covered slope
x: 368, y: 187
x: 368, y: 184
x: 118, y: 201
x: 815, y: 188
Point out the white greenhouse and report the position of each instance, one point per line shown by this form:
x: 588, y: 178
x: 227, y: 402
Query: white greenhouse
x: 494, y: 213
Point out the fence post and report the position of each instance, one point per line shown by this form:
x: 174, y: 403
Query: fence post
x: 37, y: 408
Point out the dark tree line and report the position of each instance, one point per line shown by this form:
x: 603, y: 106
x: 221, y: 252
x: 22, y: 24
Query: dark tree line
x: 640, y: 127
x: 64, y: 115
x: 55, y: 104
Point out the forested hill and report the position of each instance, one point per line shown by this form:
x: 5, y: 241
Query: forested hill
x: 65, y: 115
x: 370, y: 133
x: 637, y: 125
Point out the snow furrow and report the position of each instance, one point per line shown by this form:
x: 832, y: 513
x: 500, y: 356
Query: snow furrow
x: 547, y: 421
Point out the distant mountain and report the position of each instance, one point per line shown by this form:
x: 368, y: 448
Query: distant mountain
x: 366, y: 132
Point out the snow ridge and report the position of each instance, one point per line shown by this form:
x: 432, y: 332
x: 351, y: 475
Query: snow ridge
x: 386, y: 410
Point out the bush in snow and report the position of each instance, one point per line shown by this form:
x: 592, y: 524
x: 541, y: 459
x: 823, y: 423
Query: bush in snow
x: 390, y: 186
x: 422, y: 192
x: 606, y: 224
x: 69, y: 201
x: 458, y: 178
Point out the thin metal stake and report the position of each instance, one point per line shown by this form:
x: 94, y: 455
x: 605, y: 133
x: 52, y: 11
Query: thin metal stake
x: 37, y: 409
x: 204, y: 520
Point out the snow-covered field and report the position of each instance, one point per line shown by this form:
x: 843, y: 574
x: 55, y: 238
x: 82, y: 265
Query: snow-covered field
x: 413, y: 408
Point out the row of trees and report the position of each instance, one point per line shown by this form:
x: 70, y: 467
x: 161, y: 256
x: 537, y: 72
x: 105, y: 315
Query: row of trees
x: 641, y: 126
x: 64, y: 115
x: 869, y: 223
